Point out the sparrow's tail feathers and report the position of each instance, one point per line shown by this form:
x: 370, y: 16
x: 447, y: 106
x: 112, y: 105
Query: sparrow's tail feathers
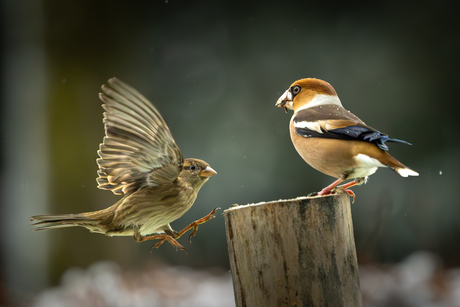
x: 61, y: 221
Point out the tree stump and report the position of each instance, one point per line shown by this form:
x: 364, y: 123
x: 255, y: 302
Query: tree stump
x: 297, y: 252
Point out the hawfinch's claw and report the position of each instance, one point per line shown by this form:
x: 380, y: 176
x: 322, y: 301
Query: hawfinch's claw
x: 350, y: 192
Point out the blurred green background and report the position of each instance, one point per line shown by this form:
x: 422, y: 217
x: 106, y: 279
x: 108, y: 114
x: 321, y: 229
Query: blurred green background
x: 215, y: 69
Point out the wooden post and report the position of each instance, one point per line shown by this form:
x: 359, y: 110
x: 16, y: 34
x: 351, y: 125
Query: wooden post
x: 298, y: 252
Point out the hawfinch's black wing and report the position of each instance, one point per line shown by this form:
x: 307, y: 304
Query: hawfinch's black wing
x: 334, y: 122
x: 138, y: 149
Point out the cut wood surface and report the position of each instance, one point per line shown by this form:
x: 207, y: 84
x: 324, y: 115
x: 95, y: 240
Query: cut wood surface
x: 297, y: 252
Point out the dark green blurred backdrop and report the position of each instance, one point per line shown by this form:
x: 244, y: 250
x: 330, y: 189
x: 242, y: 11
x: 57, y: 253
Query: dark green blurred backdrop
x: 215, y: 69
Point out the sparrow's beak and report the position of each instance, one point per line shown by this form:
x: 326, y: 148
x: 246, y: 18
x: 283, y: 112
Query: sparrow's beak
x: 285, y: 101
x: 208, y: 172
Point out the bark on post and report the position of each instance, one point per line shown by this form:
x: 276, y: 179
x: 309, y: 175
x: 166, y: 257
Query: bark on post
x: 298, y: 252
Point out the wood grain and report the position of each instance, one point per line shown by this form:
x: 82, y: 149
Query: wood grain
x: 298, y: 252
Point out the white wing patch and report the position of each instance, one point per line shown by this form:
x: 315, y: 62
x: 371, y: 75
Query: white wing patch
x: 314, y: 126
x: 328, y: 126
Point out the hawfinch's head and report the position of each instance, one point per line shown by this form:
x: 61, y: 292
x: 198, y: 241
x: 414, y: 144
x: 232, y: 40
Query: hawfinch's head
x: 306, y: 93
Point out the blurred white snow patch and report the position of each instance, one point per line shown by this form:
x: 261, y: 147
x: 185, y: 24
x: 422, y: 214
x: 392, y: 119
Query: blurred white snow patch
x: 417, y: 281
x: 104, y: 284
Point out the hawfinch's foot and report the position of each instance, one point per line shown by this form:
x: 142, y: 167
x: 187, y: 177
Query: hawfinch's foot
x: 333, y: 191
x: 328, y: 190
x: 324, y: 192
x: 350, y: 192
x: 345, y: 187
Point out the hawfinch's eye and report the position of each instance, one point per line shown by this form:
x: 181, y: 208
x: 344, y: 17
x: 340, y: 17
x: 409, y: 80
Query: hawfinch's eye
x: 295, y: 90
x: 192, y: 167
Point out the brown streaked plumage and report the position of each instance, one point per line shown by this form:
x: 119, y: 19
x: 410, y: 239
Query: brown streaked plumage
x: 333, y: 140
x: 140, y: 160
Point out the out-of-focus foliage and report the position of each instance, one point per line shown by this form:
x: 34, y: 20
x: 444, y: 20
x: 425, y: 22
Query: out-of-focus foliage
x: 215, y: 70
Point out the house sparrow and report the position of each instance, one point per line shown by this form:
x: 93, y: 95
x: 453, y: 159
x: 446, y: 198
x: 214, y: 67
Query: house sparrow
x: 333, y: 140
x: 140, y: 160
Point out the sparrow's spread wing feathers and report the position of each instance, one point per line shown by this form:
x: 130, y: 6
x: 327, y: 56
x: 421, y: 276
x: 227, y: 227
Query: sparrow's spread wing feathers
x: 332, y: 121
x: 138, y: 149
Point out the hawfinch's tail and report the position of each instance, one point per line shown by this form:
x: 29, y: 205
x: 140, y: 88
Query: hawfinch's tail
x: 405, y: 171
x: 401, y: 169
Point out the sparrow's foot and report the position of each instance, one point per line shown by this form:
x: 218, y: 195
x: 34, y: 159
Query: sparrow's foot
x: 162, y: 237
x: 195, y: 224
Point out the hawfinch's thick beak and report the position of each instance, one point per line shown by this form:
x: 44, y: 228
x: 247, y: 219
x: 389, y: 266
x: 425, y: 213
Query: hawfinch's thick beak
x: 208, y: 172
x: 285, y: 101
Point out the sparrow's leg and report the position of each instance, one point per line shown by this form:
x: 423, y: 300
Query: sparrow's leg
x: 195, y: 224
x: 169, y: 231
x: 162, y: 237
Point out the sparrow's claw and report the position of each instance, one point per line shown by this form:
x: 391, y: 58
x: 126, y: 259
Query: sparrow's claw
x: 195, y: 224
x: 158, y: 244
x: 172, y: 236
x: 162, y: 237
x: 193, y: 233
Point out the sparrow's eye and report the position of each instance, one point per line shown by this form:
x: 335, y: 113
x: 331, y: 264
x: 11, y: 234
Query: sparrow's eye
x: 194, y: 169
x: 295, y: 90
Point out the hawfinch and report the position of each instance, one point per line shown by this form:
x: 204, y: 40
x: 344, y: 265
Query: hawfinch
x: 333, y: 140
x: 140, y: 160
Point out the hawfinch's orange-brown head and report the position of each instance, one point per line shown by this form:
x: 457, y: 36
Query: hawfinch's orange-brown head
x: 306, y: 93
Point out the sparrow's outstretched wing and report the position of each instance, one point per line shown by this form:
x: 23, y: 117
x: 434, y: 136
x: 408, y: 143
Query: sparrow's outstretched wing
x: 138, y: 149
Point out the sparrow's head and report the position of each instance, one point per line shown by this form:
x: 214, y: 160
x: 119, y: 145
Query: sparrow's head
x: 306, y: 93
x: 196, y: 172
